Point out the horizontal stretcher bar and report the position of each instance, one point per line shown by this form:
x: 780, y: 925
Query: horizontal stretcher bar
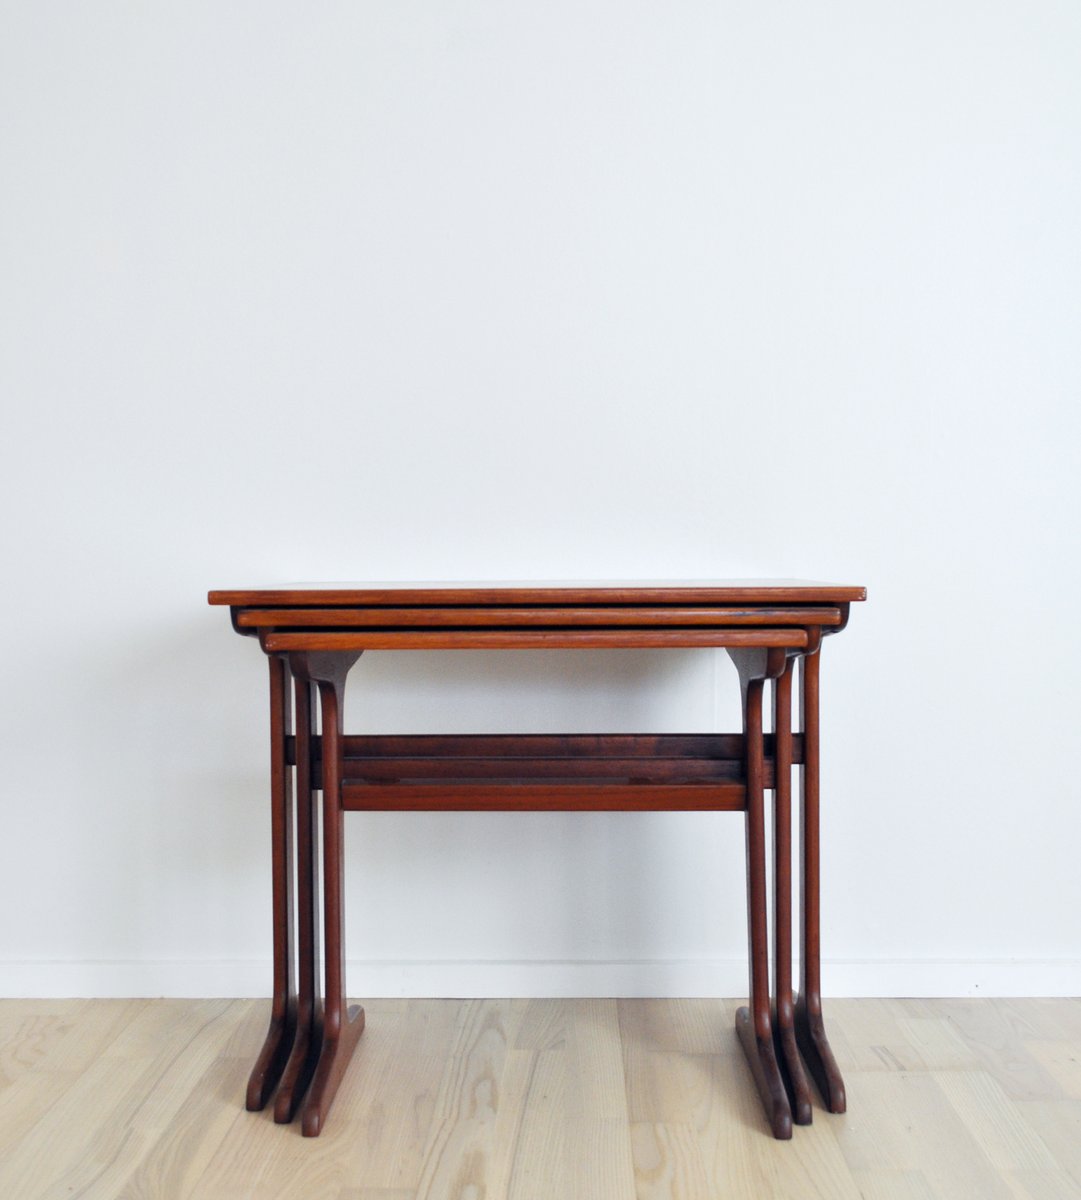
x: 447, y: 746
x: 530, y: 639
x: 496, y: 618
x: 560, y: 772
x: 547, y: 795
x: 639, y: 770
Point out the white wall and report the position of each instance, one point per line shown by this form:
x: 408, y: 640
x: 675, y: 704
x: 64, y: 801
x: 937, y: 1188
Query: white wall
x: 591, y: 289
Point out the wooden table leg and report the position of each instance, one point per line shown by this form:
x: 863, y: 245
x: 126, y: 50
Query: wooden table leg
x: 784, y: 1027
x: 753, y: 1024
x: 341, y: 1027
x: 279, y: 1038
x: 309, y: 1036
x: 810, y: 1028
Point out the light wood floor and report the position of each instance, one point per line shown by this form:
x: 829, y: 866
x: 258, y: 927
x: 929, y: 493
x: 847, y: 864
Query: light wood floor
x: 552, y: 1099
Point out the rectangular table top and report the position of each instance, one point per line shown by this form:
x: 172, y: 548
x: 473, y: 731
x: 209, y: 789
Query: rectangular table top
x: 694, y: 591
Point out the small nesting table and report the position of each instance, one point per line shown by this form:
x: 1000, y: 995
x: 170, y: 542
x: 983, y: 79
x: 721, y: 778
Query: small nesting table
x: 313, y: 634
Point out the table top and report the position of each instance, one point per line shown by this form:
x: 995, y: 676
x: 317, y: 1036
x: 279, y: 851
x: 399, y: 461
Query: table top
x: 548, y: 592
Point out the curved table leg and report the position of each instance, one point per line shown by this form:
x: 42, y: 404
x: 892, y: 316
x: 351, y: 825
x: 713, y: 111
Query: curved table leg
x: 280, y: 1035
x: 309, y: 1035
x: 810, y: 1028
x: 341, y: 1027
x: 784, y: 1026
x: 753, y: 1023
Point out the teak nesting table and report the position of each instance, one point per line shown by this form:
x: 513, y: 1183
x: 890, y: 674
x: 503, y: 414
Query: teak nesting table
x: 313, y: 634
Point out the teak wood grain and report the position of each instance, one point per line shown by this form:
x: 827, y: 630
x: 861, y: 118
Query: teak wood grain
x: 717, y: 591
x: 529, y: 639
x: 494, y: 618
x: 312, y: 635
x: 727, y: 746
x: 553, y: 795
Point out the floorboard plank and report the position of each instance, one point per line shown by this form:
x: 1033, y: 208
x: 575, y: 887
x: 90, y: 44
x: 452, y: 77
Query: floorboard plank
x: 522, y: 1099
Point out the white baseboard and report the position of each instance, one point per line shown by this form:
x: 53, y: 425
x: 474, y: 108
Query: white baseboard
x: 472, y: 977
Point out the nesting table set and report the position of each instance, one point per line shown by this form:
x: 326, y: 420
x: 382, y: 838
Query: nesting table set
x: 313, y: 634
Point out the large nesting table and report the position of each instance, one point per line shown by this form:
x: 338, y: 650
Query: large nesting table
x: 313, y: 634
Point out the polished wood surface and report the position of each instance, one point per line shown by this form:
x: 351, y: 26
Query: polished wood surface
x: 810, y: 1025
x: 784, y: 1016
x: 308, y: 1041
x: 529, y: 639
x: 553, y: 795
x: 279, y: 1040
x: 709, y: 746
x: 494, y: 617
x: 342, y: 1024
x: 700, y: 591
x: 754, y: 1024
x: 313, y: 634
x: 538, y: 1099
